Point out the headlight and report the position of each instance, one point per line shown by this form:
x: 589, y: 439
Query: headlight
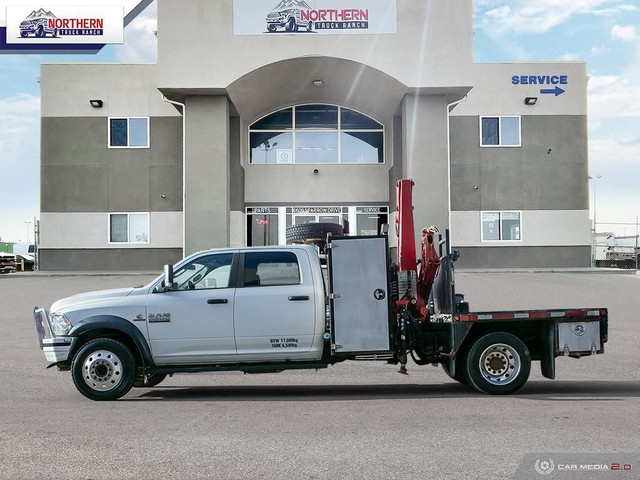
x: 60, y: 325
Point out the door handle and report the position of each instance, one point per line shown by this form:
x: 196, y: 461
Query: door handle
x: 299, y: 298
x: 217, y: 301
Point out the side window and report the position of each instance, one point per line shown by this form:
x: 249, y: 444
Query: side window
x: 501, y: 226
x: 500, y: 131
x: 129, y: 132
x: 208, y: 272
x: 271, y: 268
x: 128, y: 228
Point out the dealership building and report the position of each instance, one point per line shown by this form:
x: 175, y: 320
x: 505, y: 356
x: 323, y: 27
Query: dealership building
x: 258, y: 116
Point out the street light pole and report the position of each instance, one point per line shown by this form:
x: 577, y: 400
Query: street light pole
x: 598, y: 177
x: 28, y: 224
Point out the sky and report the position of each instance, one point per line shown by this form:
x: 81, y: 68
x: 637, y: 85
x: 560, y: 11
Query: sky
x: 603, y: 33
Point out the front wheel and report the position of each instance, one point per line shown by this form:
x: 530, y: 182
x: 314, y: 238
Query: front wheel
x: 498, y: 364
x: 103, y: 369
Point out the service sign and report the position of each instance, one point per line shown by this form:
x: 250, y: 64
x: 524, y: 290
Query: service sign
x: 47, y: 24
x: 314, y: 17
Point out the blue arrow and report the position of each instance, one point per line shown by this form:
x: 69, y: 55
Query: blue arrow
x: 556, y: 91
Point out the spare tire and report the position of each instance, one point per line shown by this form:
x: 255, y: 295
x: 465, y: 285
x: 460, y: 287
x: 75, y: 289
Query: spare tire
x: 314, y: 233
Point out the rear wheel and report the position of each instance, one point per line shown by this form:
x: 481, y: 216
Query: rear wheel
x: 498, y: 364
x: 103, y: 369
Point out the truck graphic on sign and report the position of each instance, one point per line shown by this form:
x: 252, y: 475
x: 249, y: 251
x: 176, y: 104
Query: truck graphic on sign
x: 286, y: 16
x: 37, y: 24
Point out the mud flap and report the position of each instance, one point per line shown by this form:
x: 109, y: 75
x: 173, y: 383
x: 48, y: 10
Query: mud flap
x: 548, y: 342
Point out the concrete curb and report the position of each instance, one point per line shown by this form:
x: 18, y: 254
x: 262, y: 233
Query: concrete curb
x: 593, y: 271
x: 150, y: 273
x: 82, y: 274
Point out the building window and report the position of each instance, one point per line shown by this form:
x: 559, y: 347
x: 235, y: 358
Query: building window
x: 501, y: 226
x: 128, y: 228
x: 500, y: 131
x: 316, y: 134
x: 129, y: 132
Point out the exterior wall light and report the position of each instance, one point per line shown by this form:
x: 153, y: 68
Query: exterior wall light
x: 96, y: 103
x: 530, y: 100
x: 317, y: 83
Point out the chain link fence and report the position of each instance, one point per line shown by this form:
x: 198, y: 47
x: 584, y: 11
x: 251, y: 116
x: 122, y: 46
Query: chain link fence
x: 613, y: 247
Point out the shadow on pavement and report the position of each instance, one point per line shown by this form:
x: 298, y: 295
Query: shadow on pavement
x: 539, y: 390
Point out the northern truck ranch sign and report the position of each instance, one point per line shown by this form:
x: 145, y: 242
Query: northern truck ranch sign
x: 317, y: 17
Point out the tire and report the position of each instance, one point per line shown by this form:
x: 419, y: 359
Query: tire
x: 24, y: 34
x: 152, y: 380
x: 314, y: 233
x: 40, y: 31
x: 271, y: 28
x: 310, y: 26
x: 498, y: 364
x: 103, y: 369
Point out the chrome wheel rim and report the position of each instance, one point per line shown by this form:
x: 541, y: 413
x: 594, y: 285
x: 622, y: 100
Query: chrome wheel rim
x: 102, y: 370
x: 500, y: 364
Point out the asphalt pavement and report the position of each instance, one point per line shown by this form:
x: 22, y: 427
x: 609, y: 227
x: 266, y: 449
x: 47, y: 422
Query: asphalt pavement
x: 356, y: 420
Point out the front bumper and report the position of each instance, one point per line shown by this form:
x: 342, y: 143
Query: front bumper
x: 56, y: 349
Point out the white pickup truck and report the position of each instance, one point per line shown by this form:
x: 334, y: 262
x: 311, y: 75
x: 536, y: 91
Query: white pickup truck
x: 269, y: 309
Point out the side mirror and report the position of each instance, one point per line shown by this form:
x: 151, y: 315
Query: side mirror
x: 168, y: 278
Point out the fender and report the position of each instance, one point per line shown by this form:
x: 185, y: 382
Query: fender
x: 115, y: 323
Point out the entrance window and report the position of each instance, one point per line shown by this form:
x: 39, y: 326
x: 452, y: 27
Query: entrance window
x: 316, y: 134
x: 299, y: 215
x: 262, y: 226
x: 268, y: 225
x: 369, y: 220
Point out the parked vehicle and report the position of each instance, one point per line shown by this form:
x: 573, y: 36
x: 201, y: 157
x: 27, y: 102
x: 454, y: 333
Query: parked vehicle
x: 269, y: 309
x: 7, y: 262
x: 25, y: 255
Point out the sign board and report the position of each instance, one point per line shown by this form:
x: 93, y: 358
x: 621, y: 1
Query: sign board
x: 51, y: 25
x: 65, y: 26
x: 549, y: 84
x: 314, y: 17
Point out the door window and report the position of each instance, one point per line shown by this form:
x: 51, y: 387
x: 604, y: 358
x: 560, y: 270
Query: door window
x: 271, y: 268
x: 209, y: 271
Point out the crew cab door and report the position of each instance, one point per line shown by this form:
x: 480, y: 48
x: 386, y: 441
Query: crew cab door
x: 194, y: 322
x: 274, y: 305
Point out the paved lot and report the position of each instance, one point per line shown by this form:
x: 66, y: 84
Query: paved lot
x: 352, y: 421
